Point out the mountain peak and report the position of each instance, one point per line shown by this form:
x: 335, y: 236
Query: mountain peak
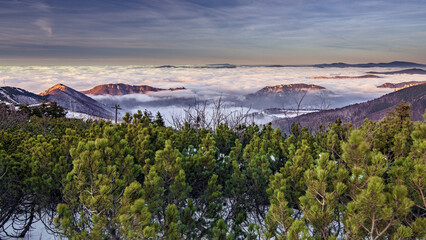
x: 57, y: 87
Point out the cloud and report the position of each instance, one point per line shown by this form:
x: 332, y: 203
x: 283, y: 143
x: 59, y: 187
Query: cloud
x: 194, y: 31
x: 45, y: 25
x: 129, y: 97
x: 41, y: 7
x: 201, y: 84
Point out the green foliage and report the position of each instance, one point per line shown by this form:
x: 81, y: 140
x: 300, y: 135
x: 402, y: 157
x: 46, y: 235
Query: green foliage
x: 142, y: 180
x: 52, y: 110
x: 134, y: 216
x: 325, y: 185
x: 94, y: 187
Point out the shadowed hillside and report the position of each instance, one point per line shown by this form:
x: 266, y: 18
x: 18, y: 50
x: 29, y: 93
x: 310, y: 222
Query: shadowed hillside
x: 75, y: 101
x: 374, y: 110
x: 18, y: 96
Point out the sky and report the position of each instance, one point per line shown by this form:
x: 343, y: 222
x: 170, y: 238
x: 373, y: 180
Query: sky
x: 145, y: 32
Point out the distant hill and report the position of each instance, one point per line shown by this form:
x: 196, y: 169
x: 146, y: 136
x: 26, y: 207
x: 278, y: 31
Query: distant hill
x: 288, y: 94
x: 369, y: 65
x: 401, y: 85
x: 345, y: 77
x: 406, y: 71
x: 280, y: 90
x: 75, y: 101
x: 123, y: 89
x: 399, y: 64
x: 220, y: 65
x: 19, y: 96
x: 374, y: 110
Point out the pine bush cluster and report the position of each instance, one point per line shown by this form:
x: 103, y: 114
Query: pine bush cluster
x: 142, y: 180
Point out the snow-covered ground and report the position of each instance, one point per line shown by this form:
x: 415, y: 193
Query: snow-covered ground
x: 83, y: 116
x: 37, y: 232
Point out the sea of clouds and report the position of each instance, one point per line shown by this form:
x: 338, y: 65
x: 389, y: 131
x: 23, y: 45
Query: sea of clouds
x: 230, y: 84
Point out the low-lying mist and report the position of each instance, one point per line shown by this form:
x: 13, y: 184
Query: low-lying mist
x: 232, y: 85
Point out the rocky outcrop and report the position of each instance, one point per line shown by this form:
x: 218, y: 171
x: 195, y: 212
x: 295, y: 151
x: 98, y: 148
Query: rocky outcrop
x: 123, y: 89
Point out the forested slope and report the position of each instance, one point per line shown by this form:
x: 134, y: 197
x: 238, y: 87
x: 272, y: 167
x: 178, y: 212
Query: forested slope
x: 375, y: 109
x: 142, y: 180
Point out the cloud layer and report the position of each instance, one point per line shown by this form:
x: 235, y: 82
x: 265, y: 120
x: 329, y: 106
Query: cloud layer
x: 200, y: 82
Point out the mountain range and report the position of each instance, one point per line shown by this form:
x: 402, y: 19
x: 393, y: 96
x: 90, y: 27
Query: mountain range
x: 288, y: 96
x: 76, y: 101
x: 66, y: 97
x: 370, y: 65
x: 399, y: 64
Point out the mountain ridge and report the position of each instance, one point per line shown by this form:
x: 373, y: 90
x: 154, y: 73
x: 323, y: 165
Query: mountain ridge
x: 286, y: 88
x: 321, y: 65
x: 401, y: 84
x: 369, y: 65
x: 289, y: 94
x: 374, y: 109
x: 124, y: 89
x: 405, y: 71
x: 19, y: 96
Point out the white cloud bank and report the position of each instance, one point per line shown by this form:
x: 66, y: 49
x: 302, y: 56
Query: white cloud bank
x: 201, y: 83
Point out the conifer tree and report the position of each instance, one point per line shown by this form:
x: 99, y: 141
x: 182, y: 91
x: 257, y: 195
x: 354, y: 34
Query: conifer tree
x: 127, y: 118
x: 220, y: 231
x: 224, y: 139
x: 102, y: 170
x: 159, y: 121
x: 320, y: 205
x: 236, y: 192
x: 375, y: 210
x: 200, y: 164
x: 411, y: 172
x: 171, y: 224
x: 294, y: 170
x: 30, y: 180
x: 134, y: 216
x: 279, y: 219
x: 257, y: 171
x: 165, y: 189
